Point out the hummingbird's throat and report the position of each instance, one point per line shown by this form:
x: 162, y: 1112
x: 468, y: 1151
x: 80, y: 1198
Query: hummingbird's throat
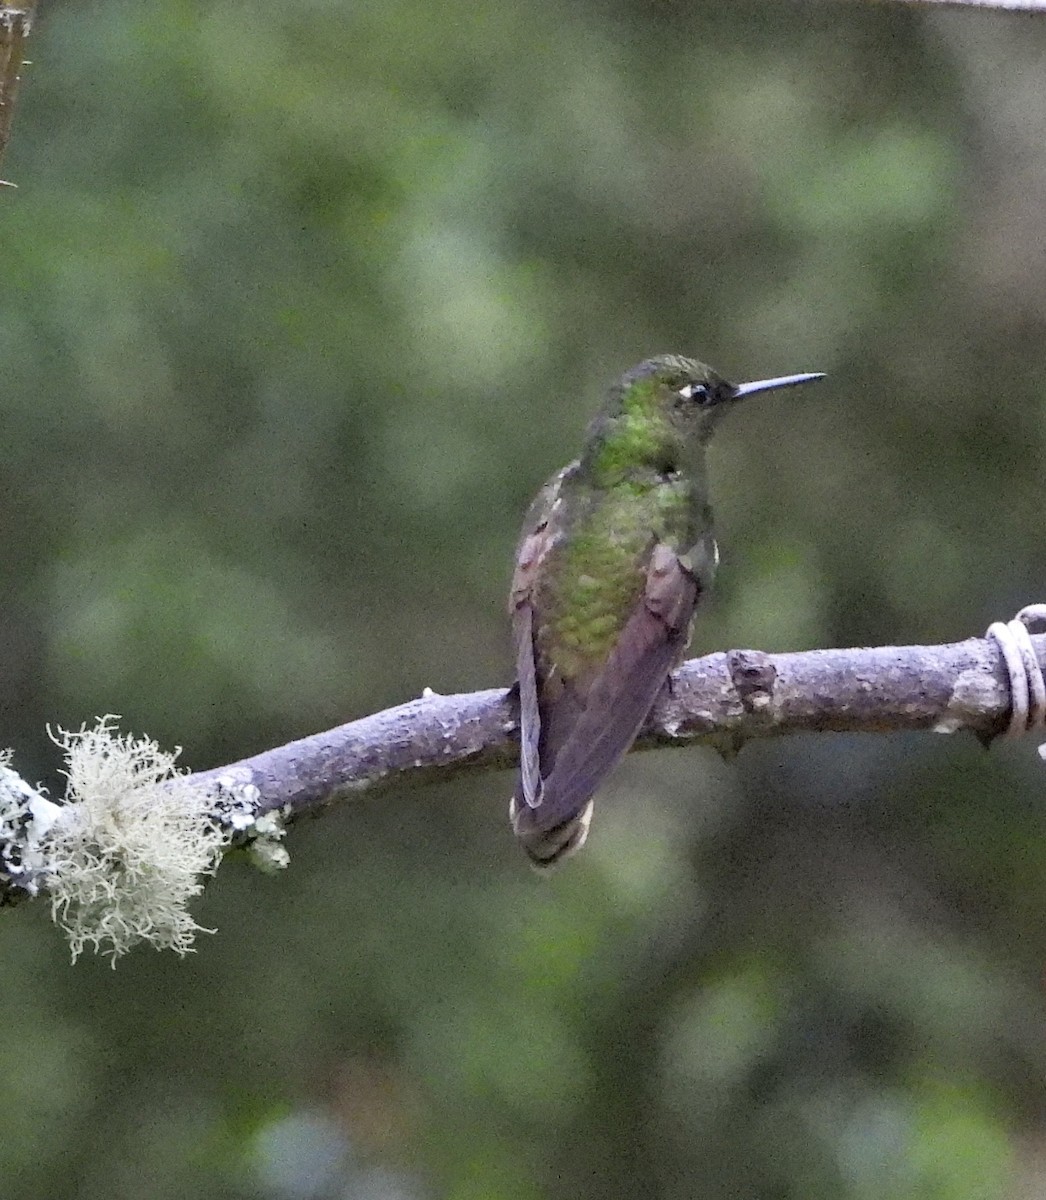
x: 642, y: 448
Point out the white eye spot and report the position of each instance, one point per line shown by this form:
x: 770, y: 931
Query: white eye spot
x: 693, y: 391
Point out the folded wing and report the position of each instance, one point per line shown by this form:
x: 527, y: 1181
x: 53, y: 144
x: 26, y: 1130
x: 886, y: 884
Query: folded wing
x: 552, y: 807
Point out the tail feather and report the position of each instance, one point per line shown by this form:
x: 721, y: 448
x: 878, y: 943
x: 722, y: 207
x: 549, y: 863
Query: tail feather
x: 546, y: 848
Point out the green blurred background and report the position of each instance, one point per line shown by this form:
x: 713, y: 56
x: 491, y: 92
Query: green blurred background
x: 299, y: 305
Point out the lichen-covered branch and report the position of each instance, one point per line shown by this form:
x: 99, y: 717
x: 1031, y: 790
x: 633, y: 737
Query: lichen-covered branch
x: 15, y: 22
x: 124, y: 854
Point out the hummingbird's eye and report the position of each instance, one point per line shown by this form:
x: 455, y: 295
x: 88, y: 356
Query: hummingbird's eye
x: 695, y: 392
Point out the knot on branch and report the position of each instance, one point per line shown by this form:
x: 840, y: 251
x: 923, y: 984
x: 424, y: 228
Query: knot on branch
x: 753, y: 674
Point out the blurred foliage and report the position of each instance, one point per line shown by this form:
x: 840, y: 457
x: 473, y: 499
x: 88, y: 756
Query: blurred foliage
x: 299, y: 305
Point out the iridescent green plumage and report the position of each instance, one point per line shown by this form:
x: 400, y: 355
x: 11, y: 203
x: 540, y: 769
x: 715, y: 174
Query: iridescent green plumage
x: 615, y: 553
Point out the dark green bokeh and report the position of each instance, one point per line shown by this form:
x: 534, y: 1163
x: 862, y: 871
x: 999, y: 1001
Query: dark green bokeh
x: 300, y: 304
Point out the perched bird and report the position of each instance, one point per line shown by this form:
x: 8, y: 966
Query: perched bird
x: 616, y: 551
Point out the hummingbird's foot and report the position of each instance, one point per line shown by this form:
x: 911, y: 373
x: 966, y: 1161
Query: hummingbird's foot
x: 547, y: 848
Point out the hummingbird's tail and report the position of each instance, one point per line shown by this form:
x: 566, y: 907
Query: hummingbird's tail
x: 546, y: 848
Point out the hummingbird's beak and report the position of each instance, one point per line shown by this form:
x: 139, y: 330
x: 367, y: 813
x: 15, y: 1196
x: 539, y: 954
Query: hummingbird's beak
x: 770, y: 385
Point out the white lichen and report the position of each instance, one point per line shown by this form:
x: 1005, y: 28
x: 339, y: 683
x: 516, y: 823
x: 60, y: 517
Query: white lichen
x: 235, y: 803
x: 266, y: 848
x: 131, y: 846
x: 26, y: 817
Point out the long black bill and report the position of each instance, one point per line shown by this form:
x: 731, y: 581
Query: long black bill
x: 770, y: 385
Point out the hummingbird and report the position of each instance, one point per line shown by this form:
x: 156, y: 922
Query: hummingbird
x: 615, y: 554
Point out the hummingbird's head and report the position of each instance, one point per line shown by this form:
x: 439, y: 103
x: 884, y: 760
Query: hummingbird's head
x: 658, y: 417
x: 686, y: 394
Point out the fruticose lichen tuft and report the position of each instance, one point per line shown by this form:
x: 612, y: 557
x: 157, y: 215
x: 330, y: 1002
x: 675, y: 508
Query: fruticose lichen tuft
x: 132, y: 843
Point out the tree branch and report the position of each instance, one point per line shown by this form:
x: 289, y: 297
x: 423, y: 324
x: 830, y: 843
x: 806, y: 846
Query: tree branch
x: 15, y: 22
x: 1028, y: 6
x: 122, y: 858
x: 725, y: 700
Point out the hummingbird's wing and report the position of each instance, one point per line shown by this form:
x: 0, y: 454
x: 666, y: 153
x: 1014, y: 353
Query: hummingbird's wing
x: 529, y: 713
x: 593, y: 731
x: 530, y: 552
x: 620, y: 697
